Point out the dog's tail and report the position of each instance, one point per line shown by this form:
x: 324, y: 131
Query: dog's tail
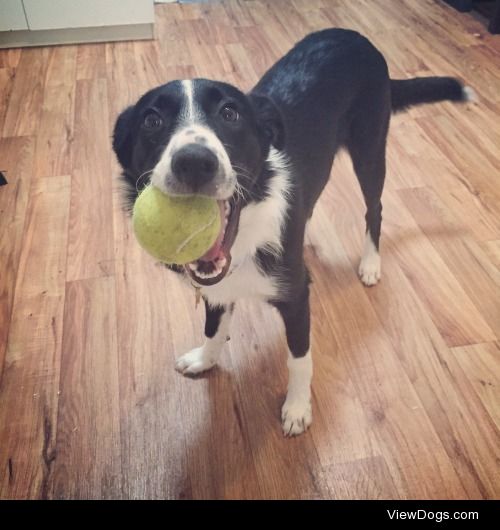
x: 419, y: 90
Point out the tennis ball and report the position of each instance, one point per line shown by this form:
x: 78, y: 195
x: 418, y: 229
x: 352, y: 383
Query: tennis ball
x: 175, y: 230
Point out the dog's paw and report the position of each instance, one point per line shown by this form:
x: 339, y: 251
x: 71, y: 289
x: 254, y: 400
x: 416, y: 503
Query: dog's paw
x: 369, y: 269
x: 194, y: 362
x: 296, y: 416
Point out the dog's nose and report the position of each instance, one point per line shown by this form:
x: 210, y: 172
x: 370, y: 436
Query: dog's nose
x: 194, y: 165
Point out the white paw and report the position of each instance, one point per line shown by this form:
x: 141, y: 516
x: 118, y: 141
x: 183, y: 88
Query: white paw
x: 369, y: 269
x: 296, y: 416
x: 194, y: 362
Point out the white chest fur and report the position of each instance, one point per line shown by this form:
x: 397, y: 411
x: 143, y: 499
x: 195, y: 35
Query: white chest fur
x: 261, y: 225
x: 246, y: 281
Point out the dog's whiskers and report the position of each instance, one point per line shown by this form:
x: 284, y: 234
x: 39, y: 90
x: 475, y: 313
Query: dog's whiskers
x: 227, y: 146
x: 242, y: 190
x: 239, y: 191
x: 142, y: 175
x: 244, y: 173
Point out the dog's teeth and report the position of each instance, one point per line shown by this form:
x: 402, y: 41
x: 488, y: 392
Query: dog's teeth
x: 218, y: 267
x: 208, y: 275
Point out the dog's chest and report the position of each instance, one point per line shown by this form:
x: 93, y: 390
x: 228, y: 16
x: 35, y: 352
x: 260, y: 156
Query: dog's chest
x: 246, y: 281
x: 260, y: 227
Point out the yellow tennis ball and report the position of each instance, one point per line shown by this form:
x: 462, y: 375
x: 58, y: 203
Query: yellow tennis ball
x: 175, y: 230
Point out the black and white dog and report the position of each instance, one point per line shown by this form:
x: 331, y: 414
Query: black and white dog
x: 266, y: 156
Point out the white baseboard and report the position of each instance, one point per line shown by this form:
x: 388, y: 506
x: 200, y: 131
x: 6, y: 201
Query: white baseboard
x: 16, y: 39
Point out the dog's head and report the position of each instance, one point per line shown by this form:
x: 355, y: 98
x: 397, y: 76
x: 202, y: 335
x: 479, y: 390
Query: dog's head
x: 200, y: 137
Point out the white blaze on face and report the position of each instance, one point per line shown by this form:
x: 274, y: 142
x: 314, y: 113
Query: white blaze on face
x: 192, y: 130
x: 188, y: 111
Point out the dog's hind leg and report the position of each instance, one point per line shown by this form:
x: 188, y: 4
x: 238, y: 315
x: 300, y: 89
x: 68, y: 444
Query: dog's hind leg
x: 366, y: 146
x: 217, y: 323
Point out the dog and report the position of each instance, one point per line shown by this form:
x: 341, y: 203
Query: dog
x: 265, y: 157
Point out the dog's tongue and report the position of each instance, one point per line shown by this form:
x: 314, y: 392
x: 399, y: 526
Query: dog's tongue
x: 215, y: 251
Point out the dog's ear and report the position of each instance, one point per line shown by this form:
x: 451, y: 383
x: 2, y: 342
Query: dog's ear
x: 122, y: 138
x: 269, y: 119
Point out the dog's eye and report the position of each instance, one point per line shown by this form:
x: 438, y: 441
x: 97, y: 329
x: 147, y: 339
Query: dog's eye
x: 152, y: 121
x: 229, y: 114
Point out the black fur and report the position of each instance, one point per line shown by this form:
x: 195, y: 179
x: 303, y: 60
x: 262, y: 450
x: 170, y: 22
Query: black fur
x: 212, y: 318
x: 331, y: 90
x: 407, y: 92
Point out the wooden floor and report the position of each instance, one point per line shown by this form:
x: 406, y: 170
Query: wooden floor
x: 406, y: 386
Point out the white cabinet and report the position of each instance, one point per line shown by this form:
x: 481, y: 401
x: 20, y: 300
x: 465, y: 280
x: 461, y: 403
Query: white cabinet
x: 39, y: 22
x: 58, y: 14
x: 12, y: 15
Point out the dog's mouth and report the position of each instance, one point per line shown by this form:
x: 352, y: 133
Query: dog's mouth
x: 215, y: 263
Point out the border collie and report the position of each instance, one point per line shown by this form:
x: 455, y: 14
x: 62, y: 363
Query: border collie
x: 266, y: 156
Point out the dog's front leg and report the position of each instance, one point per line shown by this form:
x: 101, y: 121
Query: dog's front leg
x: 217, y: 324
x: 296, y: 413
